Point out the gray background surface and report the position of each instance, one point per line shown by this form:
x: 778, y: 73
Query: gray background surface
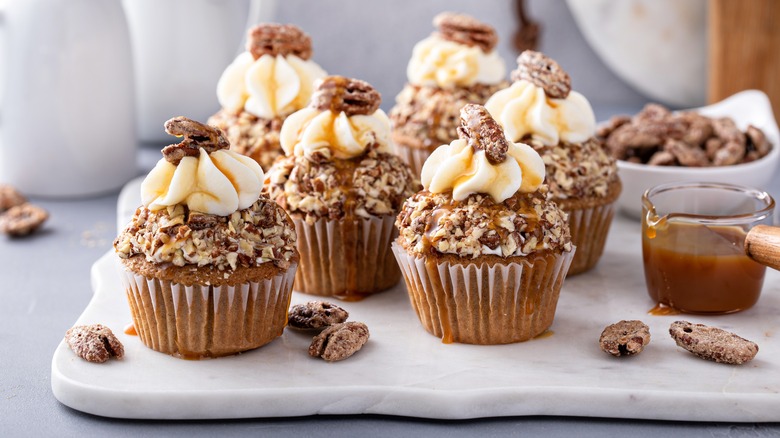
x: 46, y: 284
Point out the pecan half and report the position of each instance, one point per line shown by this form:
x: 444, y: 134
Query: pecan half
x: 624, y: 338
x: 544, y: 72
x: 278, y: 39
x: 10, y: 197
x: 22, y: 220
x: 482, y: 132
x: 466, y: 30
x: 712, y: 343
x: 94, y: 343
x: 342, y: 94
x: 339, y: 341
x: 196, y: 135
x: 316, y: 315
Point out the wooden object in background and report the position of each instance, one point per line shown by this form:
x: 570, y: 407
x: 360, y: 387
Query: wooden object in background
x: 744, y: 48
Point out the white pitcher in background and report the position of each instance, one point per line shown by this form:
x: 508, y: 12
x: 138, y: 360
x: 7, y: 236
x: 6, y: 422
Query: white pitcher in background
x: 66, y: 99
x: 181, y: 47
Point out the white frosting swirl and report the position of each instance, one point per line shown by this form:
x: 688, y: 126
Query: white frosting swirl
x: 458, y: 167
x: 219, y: 183
x: 271, y: 86
x: 335, y: 134
x: 524, y: 109
x: 442, y: 63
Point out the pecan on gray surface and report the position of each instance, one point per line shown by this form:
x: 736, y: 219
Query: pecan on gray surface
x: 22, y: 220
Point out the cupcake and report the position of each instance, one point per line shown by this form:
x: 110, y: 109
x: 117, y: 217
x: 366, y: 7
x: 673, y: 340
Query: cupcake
x: 482, y: 249
x: 208, y: 262
x: 343, y: 187
x: 540, y: 109
x: 454, y: 66
x: 272, y: 79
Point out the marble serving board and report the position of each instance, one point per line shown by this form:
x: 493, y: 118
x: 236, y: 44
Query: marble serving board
x: 405, y: 371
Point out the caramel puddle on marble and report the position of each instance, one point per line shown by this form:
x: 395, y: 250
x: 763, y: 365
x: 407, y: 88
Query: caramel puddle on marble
x: 661, y: 309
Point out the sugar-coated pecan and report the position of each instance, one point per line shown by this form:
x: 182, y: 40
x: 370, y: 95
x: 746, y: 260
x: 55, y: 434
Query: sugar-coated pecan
x: 625, y: 338
x: 712, y: 343
x: 94, y: 343
x: 278, y: 39
x: 543, y: 72
x: 10, y: 197
x: 22, y: 220
x: 348, y: 95
x: 482, y: 132
x: 196, y: 135
x: 316, y: 315
x: 339, y: 341
x: 466, y: 30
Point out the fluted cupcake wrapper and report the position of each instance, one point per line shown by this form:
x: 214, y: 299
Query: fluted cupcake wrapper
x: 480, y: 303
x: 346, y: 259
x: 414, y: 157
x: 589, y: 229
x: 208, y: 321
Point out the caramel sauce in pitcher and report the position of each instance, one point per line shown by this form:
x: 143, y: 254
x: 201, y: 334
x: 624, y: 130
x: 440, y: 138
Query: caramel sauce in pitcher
x: 696, y: 268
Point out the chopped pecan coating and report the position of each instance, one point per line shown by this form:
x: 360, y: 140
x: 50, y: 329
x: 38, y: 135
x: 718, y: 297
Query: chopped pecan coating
x: 466, y: 30
x: 625, y: 338
x: 278, y: 39
x: 316, y: 315
x: 427, y: 117
x: 347, y: 95
x: 712, y: 343
x: 576, y: 170
x: 339, y: 341
x: 375, y: 184
x: 196, y: 135
x: 257, y: 234
x: 94, y: 343
x: 543, y: 72
x: 521, y: 225
x: 22, y: 220
x: 255, y: 137
x: 482, y: 132
x: 10, y: 197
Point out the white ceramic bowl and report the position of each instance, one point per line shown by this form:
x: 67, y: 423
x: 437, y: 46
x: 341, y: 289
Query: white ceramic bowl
x: 747, y: 107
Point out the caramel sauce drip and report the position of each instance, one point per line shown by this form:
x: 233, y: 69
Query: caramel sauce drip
x: 130, y: 330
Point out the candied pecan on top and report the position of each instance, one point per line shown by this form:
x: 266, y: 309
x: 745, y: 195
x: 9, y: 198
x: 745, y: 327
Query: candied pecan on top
x: 544, y: 72
x: 278, y: 39
x: 482, y: 132
x: 466, y: 30
x: 196, y: 135
x: 348, y: 95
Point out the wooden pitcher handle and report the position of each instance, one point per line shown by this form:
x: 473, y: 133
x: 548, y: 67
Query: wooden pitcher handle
x: 762, y: 244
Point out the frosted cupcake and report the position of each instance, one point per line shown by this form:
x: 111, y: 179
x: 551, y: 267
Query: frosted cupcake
x: 482, y: 249
x: 273, y: 78
x: 456, y: 65
x: 540, y: 109
x: 342, y: 186
x: 208, y: 262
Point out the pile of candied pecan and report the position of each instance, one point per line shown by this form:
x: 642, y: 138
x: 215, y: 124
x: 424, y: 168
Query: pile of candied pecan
x: 657, y: 136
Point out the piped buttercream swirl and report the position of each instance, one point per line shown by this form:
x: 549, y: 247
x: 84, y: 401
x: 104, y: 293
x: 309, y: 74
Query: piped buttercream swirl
x: 463, y: 170
x: 268, y: 87
x: 446, y: 64
x: 524, y: 109
x: 218, y: 183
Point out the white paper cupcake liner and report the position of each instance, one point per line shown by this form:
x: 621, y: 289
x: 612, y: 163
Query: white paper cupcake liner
x: 346, y: 260
x: 414, y: 157
x: 208, y: 321
x: 482, y: 304
x: 589, y: 229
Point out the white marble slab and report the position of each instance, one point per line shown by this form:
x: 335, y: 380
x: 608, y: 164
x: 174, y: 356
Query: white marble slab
x: 405, y: 371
